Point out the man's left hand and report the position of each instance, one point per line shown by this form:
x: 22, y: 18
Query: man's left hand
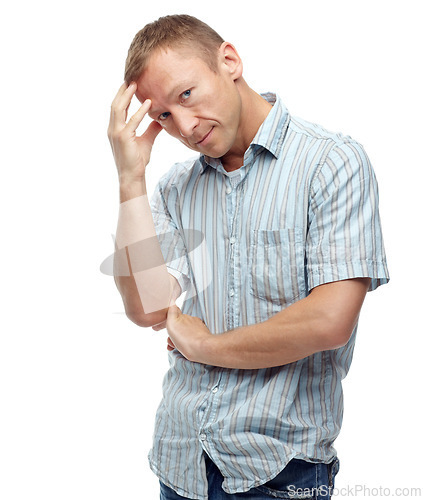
x: 187, y: 334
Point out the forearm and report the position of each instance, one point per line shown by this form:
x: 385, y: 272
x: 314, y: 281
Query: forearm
x: 147, y: 291
x: 322, y: 321
x: 292, y: 334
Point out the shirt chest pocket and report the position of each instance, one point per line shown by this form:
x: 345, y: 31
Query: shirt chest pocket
x: 277, y: 265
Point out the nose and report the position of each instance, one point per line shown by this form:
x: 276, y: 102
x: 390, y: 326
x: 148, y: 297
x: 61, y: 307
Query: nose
x: 186, y: 122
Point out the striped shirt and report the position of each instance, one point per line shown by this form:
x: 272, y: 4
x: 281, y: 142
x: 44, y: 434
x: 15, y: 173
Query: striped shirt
x: 300, y: 212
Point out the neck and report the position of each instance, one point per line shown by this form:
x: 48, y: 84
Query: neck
x: 253, y: 113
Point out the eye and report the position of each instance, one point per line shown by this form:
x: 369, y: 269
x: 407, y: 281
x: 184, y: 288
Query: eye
x: 163, y: 116
x: 185, y: 94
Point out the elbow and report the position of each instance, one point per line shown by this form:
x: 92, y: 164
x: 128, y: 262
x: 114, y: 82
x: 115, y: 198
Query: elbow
x: 339, y: 339
x: 147, y: 320
x: 337, y: 332
x: 139, y: 320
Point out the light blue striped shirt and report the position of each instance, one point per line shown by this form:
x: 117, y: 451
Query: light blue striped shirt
x: 300, y: 212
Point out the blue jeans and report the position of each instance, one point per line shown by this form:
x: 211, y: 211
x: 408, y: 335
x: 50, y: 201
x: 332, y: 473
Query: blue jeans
x: 299, y: 479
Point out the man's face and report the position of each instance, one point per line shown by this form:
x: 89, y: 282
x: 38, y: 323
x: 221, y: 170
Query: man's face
x: 192, y: 103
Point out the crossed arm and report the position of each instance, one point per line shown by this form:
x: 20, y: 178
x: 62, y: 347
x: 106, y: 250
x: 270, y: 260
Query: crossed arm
x: 322, y: 321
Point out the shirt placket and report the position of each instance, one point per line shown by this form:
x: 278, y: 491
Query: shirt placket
x: 233, y: 298
x: 210, y: 404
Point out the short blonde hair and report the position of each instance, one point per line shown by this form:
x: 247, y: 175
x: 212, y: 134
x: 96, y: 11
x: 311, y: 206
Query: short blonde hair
x: 176, y: 31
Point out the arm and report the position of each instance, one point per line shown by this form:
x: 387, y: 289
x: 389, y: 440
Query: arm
x: 322, y: 321
x: 149, y: 288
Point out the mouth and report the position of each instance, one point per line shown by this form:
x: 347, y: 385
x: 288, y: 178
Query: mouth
x: 205, y: 138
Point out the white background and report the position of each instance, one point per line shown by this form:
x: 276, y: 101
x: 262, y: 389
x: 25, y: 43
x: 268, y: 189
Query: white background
x: 79, y: 381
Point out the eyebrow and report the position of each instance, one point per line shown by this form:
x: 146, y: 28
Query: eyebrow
x: 175, y: 90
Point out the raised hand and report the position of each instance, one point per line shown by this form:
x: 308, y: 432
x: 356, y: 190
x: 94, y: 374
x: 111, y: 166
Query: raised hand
x: 131, y: 152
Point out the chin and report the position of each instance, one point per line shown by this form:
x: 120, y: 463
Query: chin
x: 216, y: 151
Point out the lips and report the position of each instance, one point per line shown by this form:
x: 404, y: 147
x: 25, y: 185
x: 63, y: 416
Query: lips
x: 204, y: 139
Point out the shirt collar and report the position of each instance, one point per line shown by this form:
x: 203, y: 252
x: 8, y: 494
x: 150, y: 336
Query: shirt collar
x: 270, y: 135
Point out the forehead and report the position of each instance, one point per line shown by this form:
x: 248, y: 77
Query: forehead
x: 170, y: 68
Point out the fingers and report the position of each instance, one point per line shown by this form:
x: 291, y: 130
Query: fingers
x: 119, y: 128
x: 121, y: 91
x: 170, y: 344
x: 120, y: 104
x: 137, y: 118
x: 153, y: 130
x: 159, y: 326
x: 173, y: 312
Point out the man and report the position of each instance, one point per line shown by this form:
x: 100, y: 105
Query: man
x: 290, y: 244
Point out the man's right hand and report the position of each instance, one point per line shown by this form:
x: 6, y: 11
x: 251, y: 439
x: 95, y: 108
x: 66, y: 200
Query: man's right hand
x: 131, y: 153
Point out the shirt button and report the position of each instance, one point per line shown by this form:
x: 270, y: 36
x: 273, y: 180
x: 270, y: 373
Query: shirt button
x: 232, y: 240
x: 214, y: 390
x: 231, y: 292
x: 203, y: 437
x: 228, y: 190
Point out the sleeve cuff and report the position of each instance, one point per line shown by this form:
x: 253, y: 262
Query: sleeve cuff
x: 327, y: 273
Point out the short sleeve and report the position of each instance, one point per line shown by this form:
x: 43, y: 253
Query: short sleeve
x: 170, y: 239
x: 344, y: 237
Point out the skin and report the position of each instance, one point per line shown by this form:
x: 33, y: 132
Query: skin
x: 218, y: 114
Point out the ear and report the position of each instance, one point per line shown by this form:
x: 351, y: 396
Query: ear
x: 230, y: 60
